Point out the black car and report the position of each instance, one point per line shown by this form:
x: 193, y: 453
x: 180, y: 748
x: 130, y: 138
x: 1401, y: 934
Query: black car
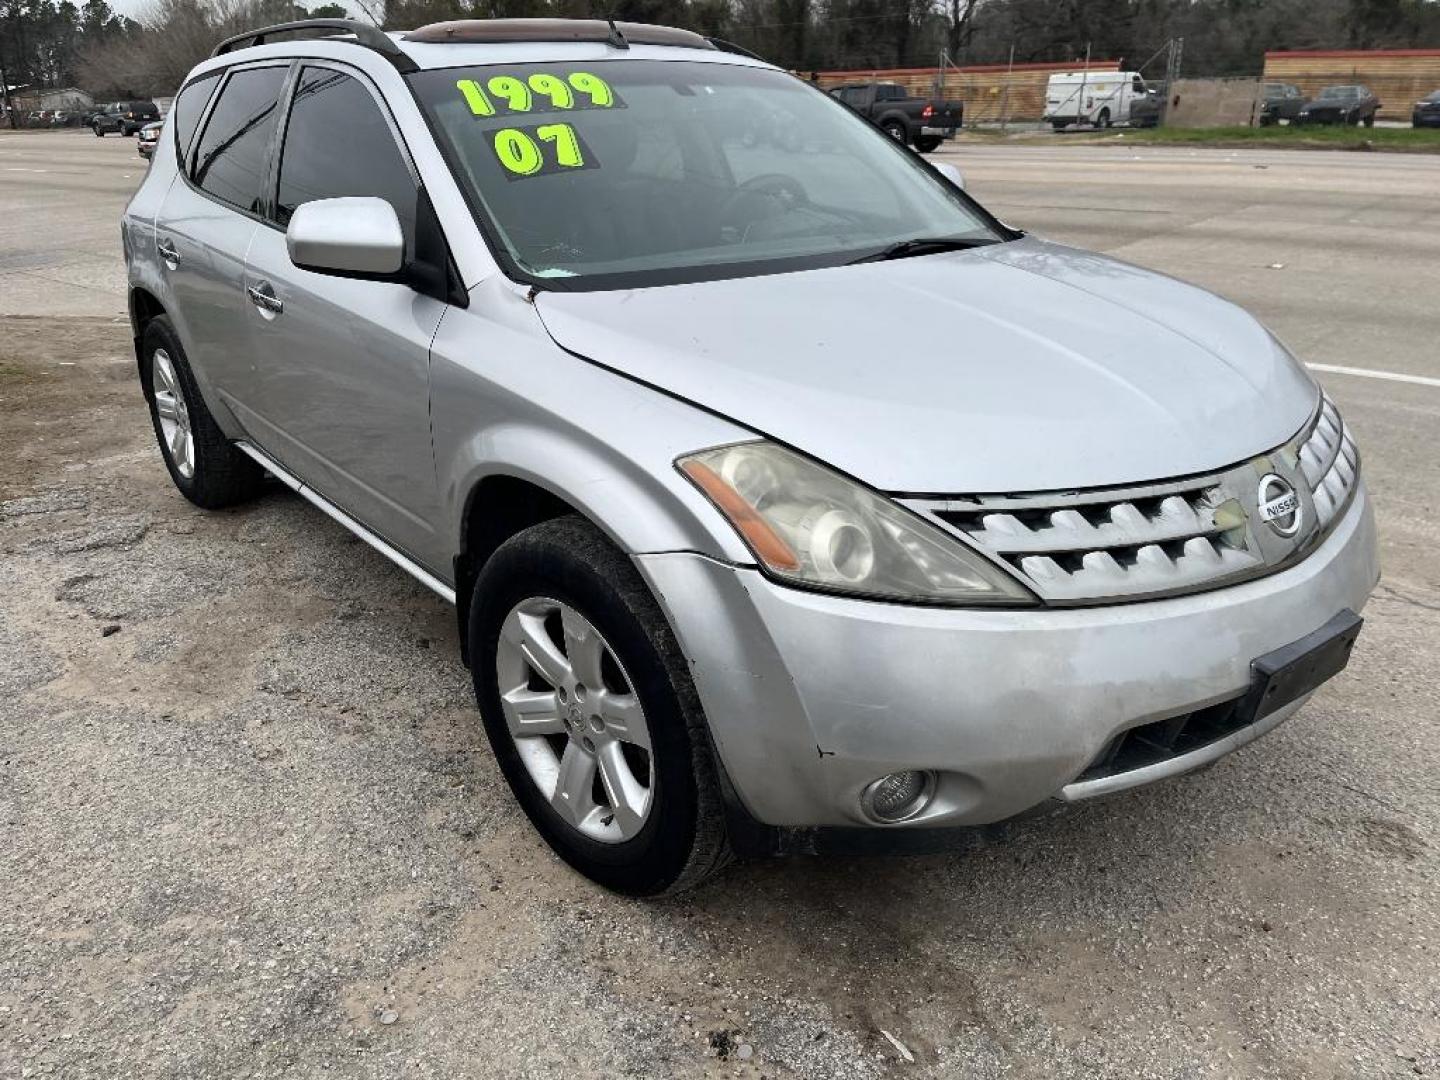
x: 1282, y: 102
x: 1146, y: 109
x: 126, y: 117
x: 1341, y: 105
x: 1427, y: 112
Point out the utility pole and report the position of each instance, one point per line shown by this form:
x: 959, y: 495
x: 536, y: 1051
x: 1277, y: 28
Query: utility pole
x: 5, y: 91
x: 1005, y: 94
x: 1081, y: 112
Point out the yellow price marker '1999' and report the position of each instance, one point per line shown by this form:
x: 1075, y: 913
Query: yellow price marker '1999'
x: 519, y: 96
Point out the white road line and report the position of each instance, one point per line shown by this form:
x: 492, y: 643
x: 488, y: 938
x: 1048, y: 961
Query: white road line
x: 1366, y: 373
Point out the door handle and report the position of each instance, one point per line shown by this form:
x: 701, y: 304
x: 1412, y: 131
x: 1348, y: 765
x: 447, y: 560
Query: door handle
x: 165, y: 248
x: 263, y: 297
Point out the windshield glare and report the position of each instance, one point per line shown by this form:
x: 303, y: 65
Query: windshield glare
x: 1340, y: 92
x: 633, y: 172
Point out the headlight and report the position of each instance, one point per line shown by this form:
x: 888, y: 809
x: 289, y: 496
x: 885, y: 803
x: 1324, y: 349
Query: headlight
x: 810, y: 526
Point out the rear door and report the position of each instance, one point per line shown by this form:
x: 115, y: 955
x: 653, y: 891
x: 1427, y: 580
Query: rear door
x: 338, y: 388
x: 209, y: 216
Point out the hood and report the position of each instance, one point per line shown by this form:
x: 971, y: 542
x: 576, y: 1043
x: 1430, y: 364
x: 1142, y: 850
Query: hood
x: 1025, y: 366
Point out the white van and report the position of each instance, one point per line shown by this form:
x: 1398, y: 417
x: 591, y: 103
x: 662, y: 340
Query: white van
x: 1101, y: 98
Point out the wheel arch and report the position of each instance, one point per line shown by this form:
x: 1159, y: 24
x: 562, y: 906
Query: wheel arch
x: 144, y: 306
x: 638, y: 512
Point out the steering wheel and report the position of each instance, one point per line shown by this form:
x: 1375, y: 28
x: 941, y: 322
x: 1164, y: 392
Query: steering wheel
x: 763, y: 196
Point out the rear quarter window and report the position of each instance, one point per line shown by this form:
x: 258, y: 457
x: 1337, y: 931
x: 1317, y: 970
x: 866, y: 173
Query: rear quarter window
x: 189, y: 107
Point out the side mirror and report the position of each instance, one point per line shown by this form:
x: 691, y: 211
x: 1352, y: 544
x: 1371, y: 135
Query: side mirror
x: 951, y: 173
x: 346, y: 236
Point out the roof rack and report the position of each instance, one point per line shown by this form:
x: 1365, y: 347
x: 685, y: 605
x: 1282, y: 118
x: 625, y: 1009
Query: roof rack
x: 509, y: 31
x: 731, y: 47
x: 364, y: 34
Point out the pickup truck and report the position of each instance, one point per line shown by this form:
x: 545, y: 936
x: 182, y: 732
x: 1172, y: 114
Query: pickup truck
x: 920, y: 122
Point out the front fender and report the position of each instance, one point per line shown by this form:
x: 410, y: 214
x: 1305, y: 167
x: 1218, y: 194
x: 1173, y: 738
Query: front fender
x: 507, y: 401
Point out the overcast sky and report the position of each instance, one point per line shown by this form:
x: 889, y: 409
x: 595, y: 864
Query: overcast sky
x: 134, y: 7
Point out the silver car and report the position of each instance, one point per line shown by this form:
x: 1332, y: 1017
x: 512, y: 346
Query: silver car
x: 787, y: 499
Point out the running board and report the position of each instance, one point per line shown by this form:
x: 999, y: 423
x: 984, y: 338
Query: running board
x: 295, y: 484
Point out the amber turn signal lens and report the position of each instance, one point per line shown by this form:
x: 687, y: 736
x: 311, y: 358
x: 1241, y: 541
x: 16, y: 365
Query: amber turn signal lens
x: 763, y: 540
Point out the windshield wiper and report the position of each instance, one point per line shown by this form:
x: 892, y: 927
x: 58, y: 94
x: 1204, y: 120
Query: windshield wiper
x: 925, y: 245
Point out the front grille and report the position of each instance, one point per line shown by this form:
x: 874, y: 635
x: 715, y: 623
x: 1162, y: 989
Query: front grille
x: 1107, y: 543
x: 1162, y: 539
x: 1150, y: 744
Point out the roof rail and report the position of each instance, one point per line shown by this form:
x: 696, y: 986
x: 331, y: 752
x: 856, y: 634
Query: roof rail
x: 731, y: 47
x: 506, y: 31
x: 365, y: 35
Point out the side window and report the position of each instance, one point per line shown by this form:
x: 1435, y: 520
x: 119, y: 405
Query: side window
x: 230, y: 158
x: 338, y: 144
x: 188, y: 108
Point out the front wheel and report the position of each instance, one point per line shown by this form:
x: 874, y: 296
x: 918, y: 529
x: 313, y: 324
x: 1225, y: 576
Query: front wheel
x: 99, y: 131
x: 895, y: 130
x: 1370, y: 121
x: 1103, y: 120
x: 928, y: 144
x: 589, y: 707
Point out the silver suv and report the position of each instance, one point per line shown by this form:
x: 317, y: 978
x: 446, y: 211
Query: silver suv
x: 788, y: 500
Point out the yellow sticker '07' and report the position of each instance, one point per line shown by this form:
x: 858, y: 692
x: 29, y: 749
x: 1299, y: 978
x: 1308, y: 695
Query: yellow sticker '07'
x: 540, y: 92
x: 534, y: 151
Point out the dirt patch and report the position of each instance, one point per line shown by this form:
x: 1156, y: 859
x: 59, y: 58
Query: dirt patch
x: 64, y: 383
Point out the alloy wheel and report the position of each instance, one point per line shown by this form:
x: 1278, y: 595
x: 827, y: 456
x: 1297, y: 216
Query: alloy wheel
x: 173, y: 413
x: 576, y: 720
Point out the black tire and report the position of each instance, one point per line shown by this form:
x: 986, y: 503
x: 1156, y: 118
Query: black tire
x: 222, y: 475
x: 1370, y: 121
x: 683, y: 840
x: 896, y: 130
x: 99, y: 132
x: 928, y: 144
x: 1102, y: 122
x: 1059, y: 125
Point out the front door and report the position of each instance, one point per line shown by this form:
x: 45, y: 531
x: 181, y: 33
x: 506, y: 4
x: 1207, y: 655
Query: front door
x: 339, y: 391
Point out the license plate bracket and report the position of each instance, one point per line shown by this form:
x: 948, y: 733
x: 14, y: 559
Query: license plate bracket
x: 1292, y: 671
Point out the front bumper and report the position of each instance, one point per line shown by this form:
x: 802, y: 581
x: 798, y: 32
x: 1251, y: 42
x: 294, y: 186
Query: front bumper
x: 810, y: 697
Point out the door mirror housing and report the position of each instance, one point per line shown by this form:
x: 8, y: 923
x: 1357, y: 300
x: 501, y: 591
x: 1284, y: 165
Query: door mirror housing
x: 951, y: 173
x: 353, y: 237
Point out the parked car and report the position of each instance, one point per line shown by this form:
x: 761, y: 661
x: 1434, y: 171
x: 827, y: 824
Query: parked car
x: 1148, y: 109
x: 743, y: 554
x: 148, y: 138
x: 1426, y: 112
x: 1095, y: 98
x: 126, y: 117
x: 1350, y: 105
x: 919, y: 121
x: 1281, y: 104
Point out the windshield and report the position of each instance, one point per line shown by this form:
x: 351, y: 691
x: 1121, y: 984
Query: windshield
x: 631, y: 172
x: 1341, y: 93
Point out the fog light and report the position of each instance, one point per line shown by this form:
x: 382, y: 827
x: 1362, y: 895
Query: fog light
x: 899, y: 796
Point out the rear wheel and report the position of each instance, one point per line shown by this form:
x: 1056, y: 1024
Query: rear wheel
x: 99, y: 131
x: 203, y: 463
x: 589, y: 707
x: 928, y: 144
x: 1370, y: 121
x: 1059, y: 125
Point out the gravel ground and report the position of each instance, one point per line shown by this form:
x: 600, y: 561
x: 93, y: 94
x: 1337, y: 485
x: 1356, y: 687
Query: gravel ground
x: 251, y: 829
